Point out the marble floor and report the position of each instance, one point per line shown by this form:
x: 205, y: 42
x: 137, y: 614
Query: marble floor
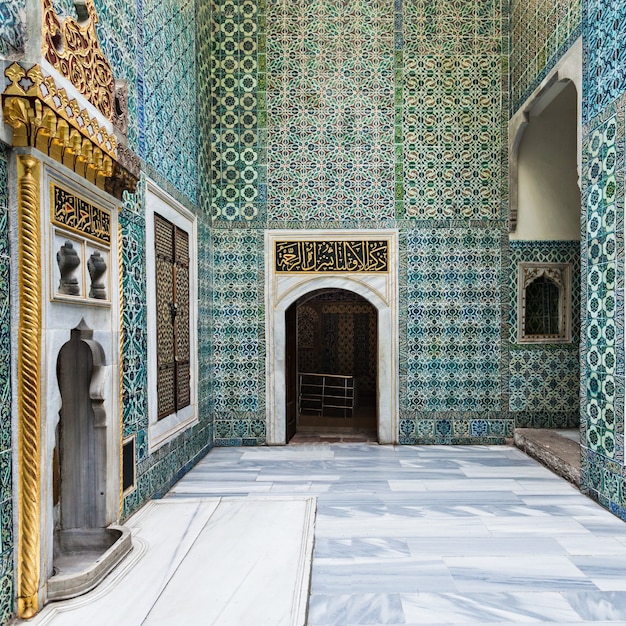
x: 415, y: 535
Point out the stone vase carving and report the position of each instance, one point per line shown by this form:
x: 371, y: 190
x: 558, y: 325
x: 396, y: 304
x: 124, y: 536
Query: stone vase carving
x: 68, y: 260
x: 97, y: 267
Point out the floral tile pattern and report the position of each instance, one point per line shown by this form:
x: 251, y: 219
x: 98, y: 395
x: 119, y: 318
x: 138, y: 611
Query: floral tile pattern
x: 330, y: 132
x: 454, y: 109
x: 544, y: 381
x: 169, y: 140
x: 6, y: 431
x: 229, y: 67
x: 603, y: 193
x: 237, y: 350
x: 540, y: 33
x: 12, y: 20
x: 453, y: 325
x: 605, y: 55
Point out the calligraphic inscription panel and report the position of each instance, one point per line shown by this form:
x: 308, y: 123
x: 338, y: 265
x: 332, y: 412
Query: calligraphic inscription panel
x: 79, y: 215
x: 332, y: 256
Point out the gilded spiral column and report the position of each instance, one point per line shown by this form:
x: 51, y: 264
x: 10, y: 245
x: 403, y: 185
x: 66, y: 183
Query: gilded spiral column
x: 29, y: 391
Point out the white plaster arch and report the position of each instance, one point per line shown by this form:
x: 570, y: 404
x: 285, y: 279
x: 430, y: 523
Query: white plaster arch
x: 567, y: 70
x: 380, y: 290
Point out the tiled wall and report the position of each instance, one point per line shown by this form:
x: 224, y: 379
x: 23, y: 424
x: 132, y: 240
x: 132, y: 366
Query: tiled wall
x: 167, y: 116
x: 455, y: 384
x: 603, y: 474
x: 604, y: 79
x: 6, y: 446
x: 238, y: 349
x: 151, y: 45
x: 541, y: 31
x: 156, y: 472
x: 232, y: 93
x: 454, y: 96
x: 544, y: 383
x: 330, y: 110
x: 12, y: 20
x: 360, y: 115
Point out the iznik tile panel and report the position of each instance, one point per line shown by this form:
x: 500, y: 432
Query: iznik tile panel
x: 134, y: 317
x: 544, y: 382
x: 453, y: 320
x: 12, y: 19
x: 169, y: 141
x: 603, y: 193
x: 605, y: 55
x: 454, y: 109
x: 330, y: 110
x: 205, y: 87
x: 117, y: 29
x: 441, y: 27
x: 6, y: 431
x: 231, y: 122
x: 540, y: 33
x: 236, y: 354
x: 453, y: 136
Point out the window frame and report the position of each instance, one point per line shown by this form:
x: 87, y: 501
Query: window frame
x: 561, y: 275
x: 160, y: 431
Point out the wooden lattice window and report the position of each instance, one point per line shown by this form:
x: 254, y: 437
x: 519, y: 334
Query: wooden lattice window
x: 544, y: 303
x: 172, y: 313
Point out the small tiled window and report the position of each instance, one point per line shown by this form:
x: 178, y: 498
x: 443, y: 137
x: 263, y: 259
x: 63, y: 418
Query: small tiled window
x: 172, y: 316
x: 544, y: 302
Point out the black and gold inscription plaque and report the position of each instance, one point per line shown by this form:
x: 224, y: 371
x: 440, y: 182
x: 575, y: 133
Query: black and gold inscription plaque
x: 332, y: 256
x: 79, y: 215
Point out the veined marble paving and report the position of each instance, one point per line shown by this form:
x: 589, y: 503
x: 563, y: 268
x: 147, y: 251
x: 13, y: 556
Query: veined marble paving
x: 403, y: 535
x: 436, y: 535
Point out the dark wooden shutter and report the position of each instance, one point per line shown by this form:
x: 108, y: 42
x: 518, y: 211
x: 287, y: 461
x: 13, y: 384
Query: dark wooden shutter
x: 172, y: 296
x: 181, y: 325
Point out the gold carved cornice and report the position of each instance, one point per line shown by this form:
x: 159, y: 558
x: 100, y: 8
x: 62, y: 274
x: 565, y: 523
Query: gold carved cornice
x: 73, y: 49
x: 29, y: 387
x: 43, y: 116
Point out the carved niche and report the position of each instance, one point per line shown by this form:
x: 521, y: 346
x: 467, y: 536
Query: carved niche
x: 544, y: 310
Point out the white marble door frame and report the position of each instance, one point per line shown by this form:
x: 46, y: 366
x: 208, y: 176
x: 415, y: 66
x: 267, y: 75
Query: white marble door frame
x: 379, y: 289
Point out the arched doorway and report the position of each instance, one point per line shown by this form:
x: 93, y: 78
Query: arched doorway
x: 379, y: 289
x: 544, y: 252
x: 331, y: 364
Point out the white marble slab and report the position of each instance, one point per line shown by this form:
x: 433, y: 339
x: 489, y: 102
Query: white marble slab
x: 162, y: 535
x: 212, y: 562
x: 250, y: 565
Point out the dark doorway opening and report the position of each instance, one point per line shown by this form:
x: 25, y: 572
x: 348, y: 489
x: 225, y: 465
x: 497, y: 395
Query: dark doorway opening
x: 331, y: 364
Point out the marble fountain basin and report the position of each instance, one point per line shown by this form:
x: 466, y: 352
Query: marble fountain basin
x: 84, y: 556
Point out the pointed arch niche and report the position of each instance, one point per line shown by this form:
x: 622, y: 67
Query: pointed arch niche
x: 563, y: 83
x: 380, y: 289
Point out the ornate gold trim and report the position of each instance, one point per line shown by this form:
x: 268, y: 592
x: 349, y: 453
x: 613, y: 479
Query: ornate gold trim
x: 74, y: 51
x: 28, y: 387
x: 43, y: 116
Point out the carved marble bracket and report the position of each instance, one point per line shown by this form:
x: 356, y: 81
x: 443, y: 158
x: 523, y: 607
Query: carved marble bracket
x: 43, y: 116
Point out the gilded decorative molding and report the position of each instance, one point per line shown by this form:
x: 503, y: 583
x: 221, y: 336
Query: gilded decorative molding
x: 332, y: 256
x: 74, y: 51
x: 28, y: 383
x: 43, y: 116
